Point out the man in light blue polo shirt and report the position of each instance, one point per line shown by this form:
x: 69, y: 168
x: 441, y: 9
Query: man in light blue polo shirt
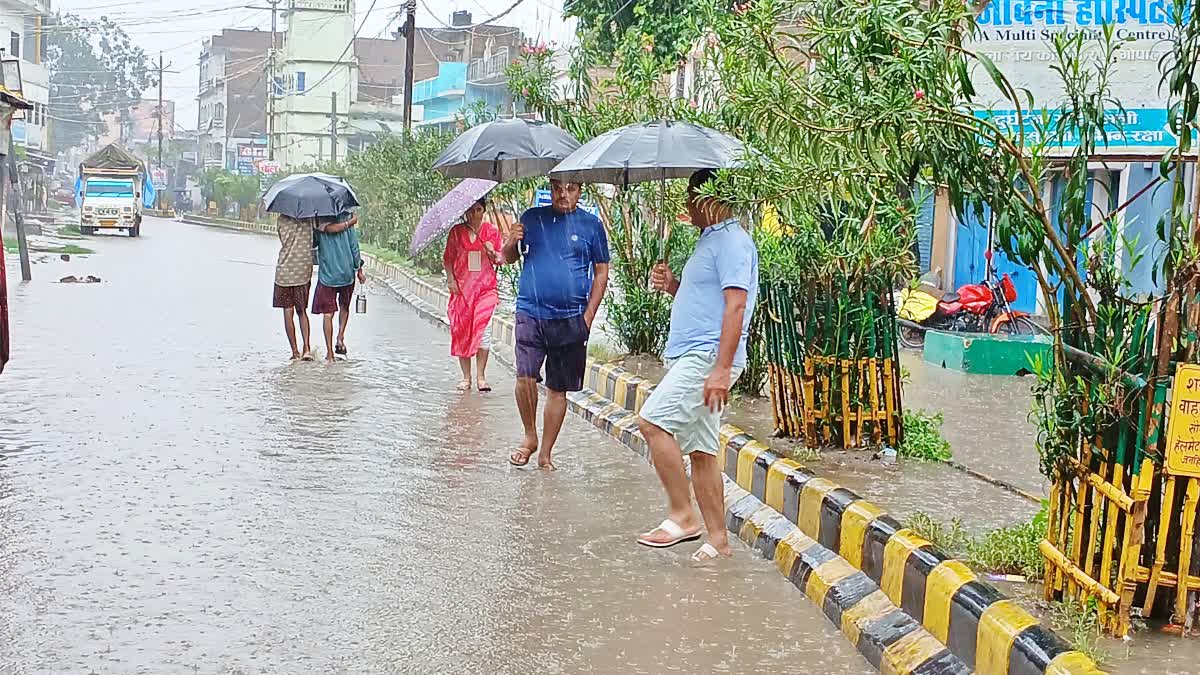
x: 706, y: 352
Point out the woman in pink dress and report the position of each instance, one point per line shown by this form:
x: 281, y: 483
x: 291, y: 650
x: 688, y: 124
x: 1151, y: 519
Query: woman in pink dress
x: 471, y: 258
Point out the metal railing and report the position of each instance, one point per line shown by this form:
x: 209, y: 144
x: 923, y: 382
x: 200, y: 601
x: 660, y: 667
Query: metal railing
x: 486, y: 69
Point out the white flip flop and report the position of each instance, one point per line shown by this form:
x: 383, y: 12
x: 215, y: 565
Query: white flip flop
x: 673, y: 530
x: 706, y: 553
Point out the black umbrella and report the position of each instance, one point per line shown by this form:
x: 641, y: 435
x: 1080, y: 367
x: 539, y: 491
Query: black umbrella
x: 310, y: 196
x: 506, y: 150
x: 659, y: 150
x: 651, y: 151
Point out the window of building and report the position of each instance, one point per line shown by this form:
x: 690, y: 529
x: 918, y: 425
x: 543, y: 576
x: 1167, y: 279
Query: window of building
x: 220, y: 111
x: 14, y: 44
x: 29, y: 48
x: 300, y: 81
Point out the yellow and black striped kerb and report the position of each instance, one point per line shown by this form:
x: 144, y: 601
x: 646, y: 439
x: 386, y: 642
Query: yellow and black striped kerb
x: 890, y: 640
x: 906, y: 606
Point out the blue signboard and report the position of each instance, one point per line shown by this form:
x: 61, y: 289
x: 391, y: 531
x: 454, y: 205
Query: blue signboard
x: 542, y: 198
x: 1133, y: 128
x: 1078, y: 13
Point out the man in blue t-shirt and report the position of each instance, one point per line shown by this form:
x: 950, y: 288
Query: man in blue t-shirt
x: 706, y: 351
x: 563, y: 279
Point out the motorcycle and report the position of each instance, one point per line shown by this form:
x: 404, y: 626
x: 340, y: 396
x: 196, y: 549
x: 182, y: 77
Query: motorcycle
x: 973, y: 308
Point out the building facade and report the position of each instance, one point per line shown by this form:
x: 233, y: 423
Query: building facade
x: 21, y: 28
x: 232, y: 95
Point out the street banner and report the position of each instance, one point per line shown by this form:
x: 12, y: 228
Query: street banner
x: 1183, y: 423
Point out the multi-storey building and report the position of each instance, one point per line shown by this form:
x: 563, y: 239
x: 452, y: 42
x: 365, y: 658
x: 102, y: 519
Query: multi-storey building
x: 233, y: 95
x: 21, y: 23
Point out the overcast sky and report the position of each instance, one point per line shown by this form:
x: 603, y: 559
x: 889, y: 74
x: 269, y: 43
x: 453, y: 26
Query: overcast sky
x: 177, y: 28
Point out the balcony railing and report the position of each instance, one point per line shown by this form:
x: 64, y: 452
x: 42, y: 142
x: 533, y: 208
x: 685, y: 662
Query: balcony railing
x: 491, y: 67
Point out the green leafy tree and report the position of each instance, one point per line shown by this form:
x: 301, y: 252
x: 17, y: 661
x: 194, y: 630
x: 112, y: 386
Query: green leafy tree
x: 95, y: 69
x: 671, y: 23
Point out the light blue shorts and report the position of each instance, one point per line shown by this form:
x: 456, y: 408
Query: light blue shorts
x: 677, y: 404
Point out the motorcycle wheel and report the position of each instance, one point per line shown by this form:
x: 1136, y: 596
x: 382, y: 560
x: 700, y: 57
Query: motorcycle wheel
x: 1020, y: 326
x: 912, y: 338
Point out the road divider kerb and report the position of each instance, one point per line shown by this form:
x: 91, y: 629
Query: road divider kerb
x: 905, y: 605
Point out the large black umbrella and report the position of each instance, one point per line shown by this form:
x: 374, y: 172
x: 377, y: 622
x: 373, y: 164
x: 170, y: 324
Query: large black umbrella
x: 506, y: 150
x: 310, y: 196
x: 647, y: 151
x: 651, y: 151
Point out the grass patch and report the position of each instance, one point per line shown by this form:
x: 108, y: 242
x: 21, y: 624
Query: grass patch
x: 923, y: 438
x: 386, y: 255
x: 603, y: 353
x: 11, y: 246
x: 1081, y: 623
x: 950, y: 537
x: 1011, y: 550
x: 70, y: 230
x: 1006, y: 550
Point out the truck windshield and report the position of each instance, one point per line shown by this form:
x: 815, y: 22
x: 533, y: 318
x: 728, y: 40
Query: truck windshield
x: 109, y: 188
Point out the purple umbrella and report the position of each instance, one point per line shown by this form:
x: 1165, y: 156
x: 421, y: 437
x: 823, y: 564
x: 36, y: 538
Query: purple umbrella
x: 449, y: 210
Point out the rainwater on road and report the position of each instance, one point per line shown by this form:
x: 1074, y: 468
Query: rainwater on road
x: 175, y: 497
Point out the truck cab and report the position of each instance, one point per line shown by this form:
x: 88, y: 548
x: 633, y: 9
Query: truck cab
x: 110, y: 201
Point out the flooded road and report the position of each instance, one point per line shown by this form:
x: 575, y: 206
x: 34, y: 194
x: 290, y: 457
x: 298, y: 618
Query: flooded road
x: 176, y: 498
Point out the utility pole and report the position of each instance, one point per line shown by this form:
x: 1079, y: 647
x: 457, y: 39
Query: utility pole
x: 158, y: 114
x: 333, y: 120
x: 271, y: 86
x: 160, y: 110
x: 272, y: 70
x: 410, y: 37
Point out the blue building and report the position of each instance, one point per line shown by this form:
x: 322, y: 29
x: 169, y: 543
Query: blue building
x: 457, y: 86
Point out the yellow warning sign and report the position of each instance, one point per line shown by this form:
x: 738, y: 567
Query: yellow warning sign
x: 1183, y: 426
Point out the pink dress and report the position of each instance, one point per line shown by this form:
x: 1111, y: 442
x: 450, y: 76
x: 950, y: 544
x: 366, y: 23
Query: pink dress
x: 470, y: 310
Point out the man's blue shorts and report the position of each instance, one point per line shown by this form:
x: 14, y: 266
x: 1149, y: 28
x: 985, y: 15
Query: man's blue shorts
x: 561, y: 344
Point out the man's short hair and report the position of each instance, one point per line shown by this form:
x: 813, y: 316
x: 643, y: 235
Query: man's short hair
x: 700, y: 178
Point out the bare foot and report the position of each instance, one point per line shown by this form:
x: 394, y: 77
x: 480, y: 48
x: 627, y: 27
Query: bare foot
x: 483, y: 385
x: 463, y: 386
x: 307, y: 355
x: 544, y: 462
x: 295, y: 356
x: 329, y: 358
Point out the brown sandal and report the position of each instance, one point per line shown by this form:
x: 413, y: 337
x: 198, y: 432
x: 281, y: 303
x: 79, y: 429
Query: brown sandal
x: 521, y: 457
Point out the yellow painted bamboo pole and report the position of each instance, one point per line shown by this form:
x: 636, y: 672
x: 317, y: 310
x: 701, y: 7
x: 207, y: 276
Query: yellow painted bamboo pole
x: 1160, y: 552
x: 1111, y: 513
x: 876, y: 432
x: 1051, y: 531
x: 1187, y: 534
x: 1077, y: 576
x: 1100, y: 501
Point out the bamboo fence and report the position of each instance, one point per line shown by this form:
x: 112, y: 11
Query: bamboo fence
x: 832, y: 362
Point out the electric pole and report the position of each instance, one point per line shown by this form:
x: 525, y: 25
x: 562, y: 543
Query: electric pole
x: 410, y: 36
x: 272, y: 69
x: 160, y: 110
x: 333, y: 121
x: 271, y: 86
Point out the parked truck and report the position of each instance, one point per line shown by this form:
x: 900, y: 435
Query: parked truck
x: 111, y: 190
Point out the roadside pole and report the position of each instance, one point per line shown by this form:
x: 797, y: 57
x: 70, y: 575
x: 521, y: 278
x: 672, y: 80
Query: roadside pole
x: 333, y: 127
x: 410, y: 29
x: 6, y: 192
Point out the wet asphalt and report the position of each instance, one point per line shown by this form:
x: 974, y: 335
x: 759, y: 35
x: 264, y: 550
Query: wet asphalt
x: 176, y: 497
